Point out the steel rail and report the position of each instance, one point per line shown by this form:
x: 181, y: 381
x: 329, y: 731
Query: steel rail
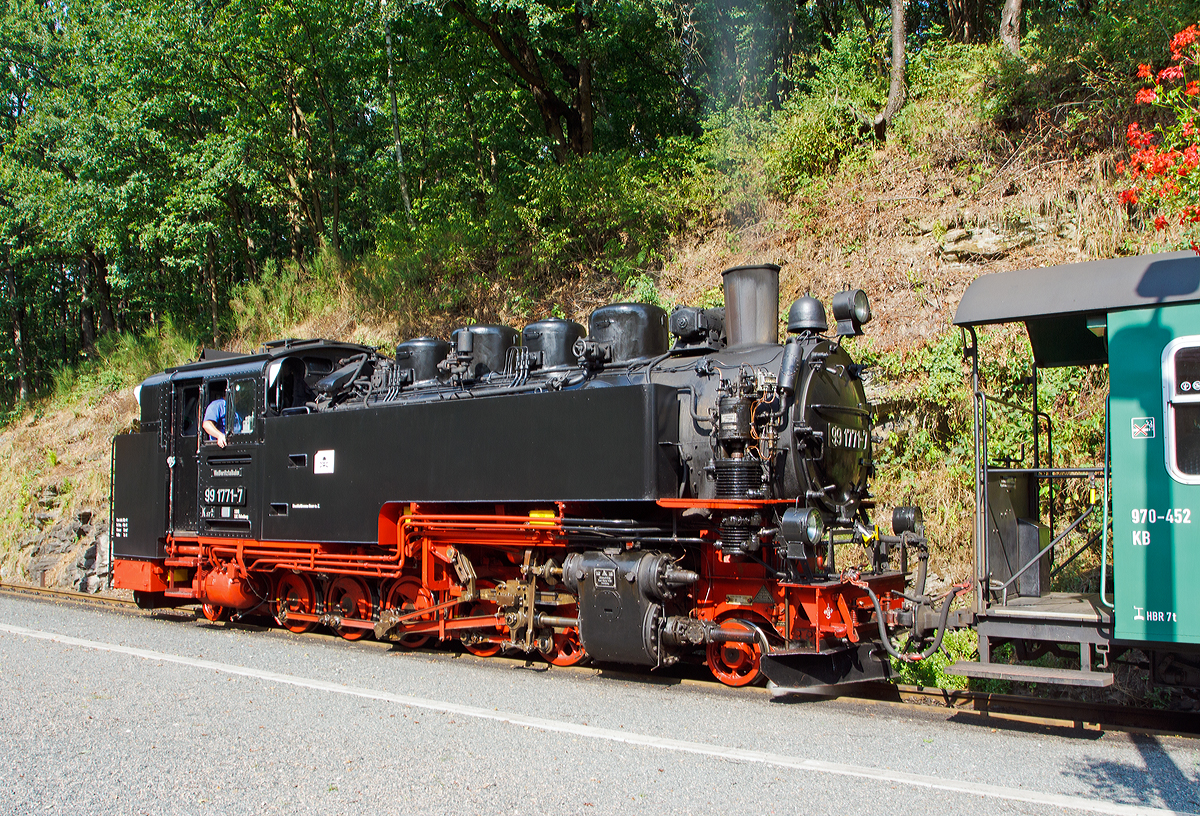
x: 1043, y: 710
x: 65, y: 594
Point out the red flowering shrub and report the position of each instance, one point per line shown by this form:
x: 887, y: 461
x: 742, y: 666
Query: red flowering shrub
x: 1161, y: 172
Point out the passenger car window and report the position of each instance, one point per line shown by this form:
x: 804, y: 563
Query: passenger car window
x: 241, y: 413
x: 1181, y: 387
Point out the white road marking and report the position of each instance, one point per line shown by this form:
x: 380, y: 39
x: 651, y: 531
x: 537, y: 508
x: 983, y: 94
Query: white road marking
x: 682, y: 746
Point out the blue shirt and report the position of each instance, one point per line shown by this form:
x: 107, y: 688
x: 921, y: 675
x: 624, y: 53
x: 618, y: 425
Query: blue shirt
x: 216, y: 413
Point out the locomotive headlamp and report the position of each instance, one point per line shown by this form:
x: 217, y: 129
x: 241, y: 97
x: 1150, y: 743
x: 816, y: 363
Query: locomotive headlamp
x: 908, y: 520
x: 851, y: 310
x: 802, y: 527
x: 137, y: 394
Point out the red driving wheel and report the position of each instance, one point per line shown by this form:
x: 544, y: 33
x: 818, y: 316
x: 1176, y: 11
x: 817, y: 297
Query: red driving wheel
x: 294, y: 593
x: 350, y: 598
x: 407, y: 596
x: 735, y: 664
x: 483, y: 642
x: 568, y: 649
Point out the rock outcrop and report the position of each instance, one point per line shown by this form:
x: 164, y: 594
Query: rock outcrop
x: 66, y: 549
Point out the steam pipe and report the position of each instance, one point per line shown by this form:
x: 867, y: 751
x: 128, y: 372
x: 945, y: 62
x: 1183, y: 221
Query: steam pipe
x: 886, y: 641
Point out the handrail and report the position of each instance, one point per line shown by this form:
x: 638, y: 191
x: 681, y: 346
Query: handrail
x: 1012, y: 405
x: 1068, y: 472
x: 1004, y: 587
x: 1104, y: 526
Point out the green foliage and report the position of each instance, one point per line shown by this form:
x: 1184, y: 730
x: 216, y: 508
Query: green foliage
x: 1078, y: 65
x: 731, y: 147
x: 811, y: 136
x: 610, y: 208
x: 121, y: 361
x: 285, y: 294
x: 959, y: 644
x: 931, y: 122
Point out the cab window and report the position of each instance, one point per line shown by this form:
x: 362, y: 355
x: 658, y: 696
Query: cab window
x: 189, y: 411
x: 240, y: 417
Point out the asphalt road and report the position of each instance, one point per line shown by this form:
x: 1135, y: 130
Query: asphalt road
x: 107, y: 712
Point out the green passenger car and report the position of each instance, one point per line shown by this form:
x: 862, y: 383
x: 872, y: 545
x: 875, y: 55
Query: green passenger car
x: 1154, y: 422
x: 1140, y: 316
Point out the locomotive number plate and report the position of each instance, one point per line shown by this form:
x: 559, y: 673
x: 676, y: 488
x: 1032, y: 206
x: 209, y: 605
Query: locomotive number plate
x: 843, y: 437
x: 230, y: 496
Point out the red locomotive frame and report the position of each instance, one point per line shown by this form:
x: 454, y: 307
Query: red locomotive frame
x: 439, y: 575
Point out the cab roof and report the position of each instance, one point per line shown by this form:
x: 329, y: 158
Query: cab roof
x: 1056, y: 302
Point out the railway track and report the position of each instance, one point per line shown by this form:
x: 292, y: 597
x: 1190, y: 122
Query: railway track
x: 66, y: 595
x: 970, y: 706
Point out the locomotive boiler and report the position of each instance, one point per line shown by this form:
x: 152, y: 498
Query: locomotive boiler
x: 653, y: 488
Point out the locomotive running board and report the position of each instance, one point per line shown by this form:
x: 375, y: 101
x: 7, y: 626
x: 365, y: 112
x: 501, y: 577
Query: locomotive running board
x: 817, y: 672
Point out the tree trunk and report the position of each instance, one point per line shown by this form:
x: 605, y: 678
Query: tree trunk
x: 101, y: 292
x: 869, y: 27
x: 830, y: 23
x: 334, y: 172
x: 896, y: 89
x: 1010, y: 27
x: 210, y: 267
x: 578, y: 137
x: 245, y: 242
x: 87, y: 318
x: 583, y: 101
x: 396, y: 133
x: 16, y: 318
x: 302, y: 209
x: 967, y: 20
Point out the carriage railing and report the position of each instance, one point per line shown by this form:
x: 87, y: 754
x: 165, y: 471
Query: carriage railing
x: 1048, y: 474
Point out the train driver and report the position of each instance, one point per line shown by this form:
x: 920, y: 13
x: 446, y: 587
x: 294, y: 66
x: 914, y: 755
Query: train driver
x: 214, y: 421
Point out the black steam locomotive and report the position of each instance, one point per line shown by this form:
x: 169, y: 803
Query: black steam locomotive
x: 610, y: 493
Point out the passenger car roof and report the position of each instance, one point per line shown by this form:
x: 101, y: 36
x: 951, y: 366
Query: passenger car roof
x: 1056, y: 302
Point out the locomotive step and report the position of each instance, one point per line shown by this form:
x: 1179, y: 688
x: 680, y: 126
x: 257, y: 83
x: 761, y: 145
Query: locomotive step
x: 1030, y: 674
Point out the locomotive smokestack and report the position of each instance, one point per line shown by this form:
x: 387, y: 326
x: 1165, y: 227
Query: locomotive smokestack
x: 751, y: 304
